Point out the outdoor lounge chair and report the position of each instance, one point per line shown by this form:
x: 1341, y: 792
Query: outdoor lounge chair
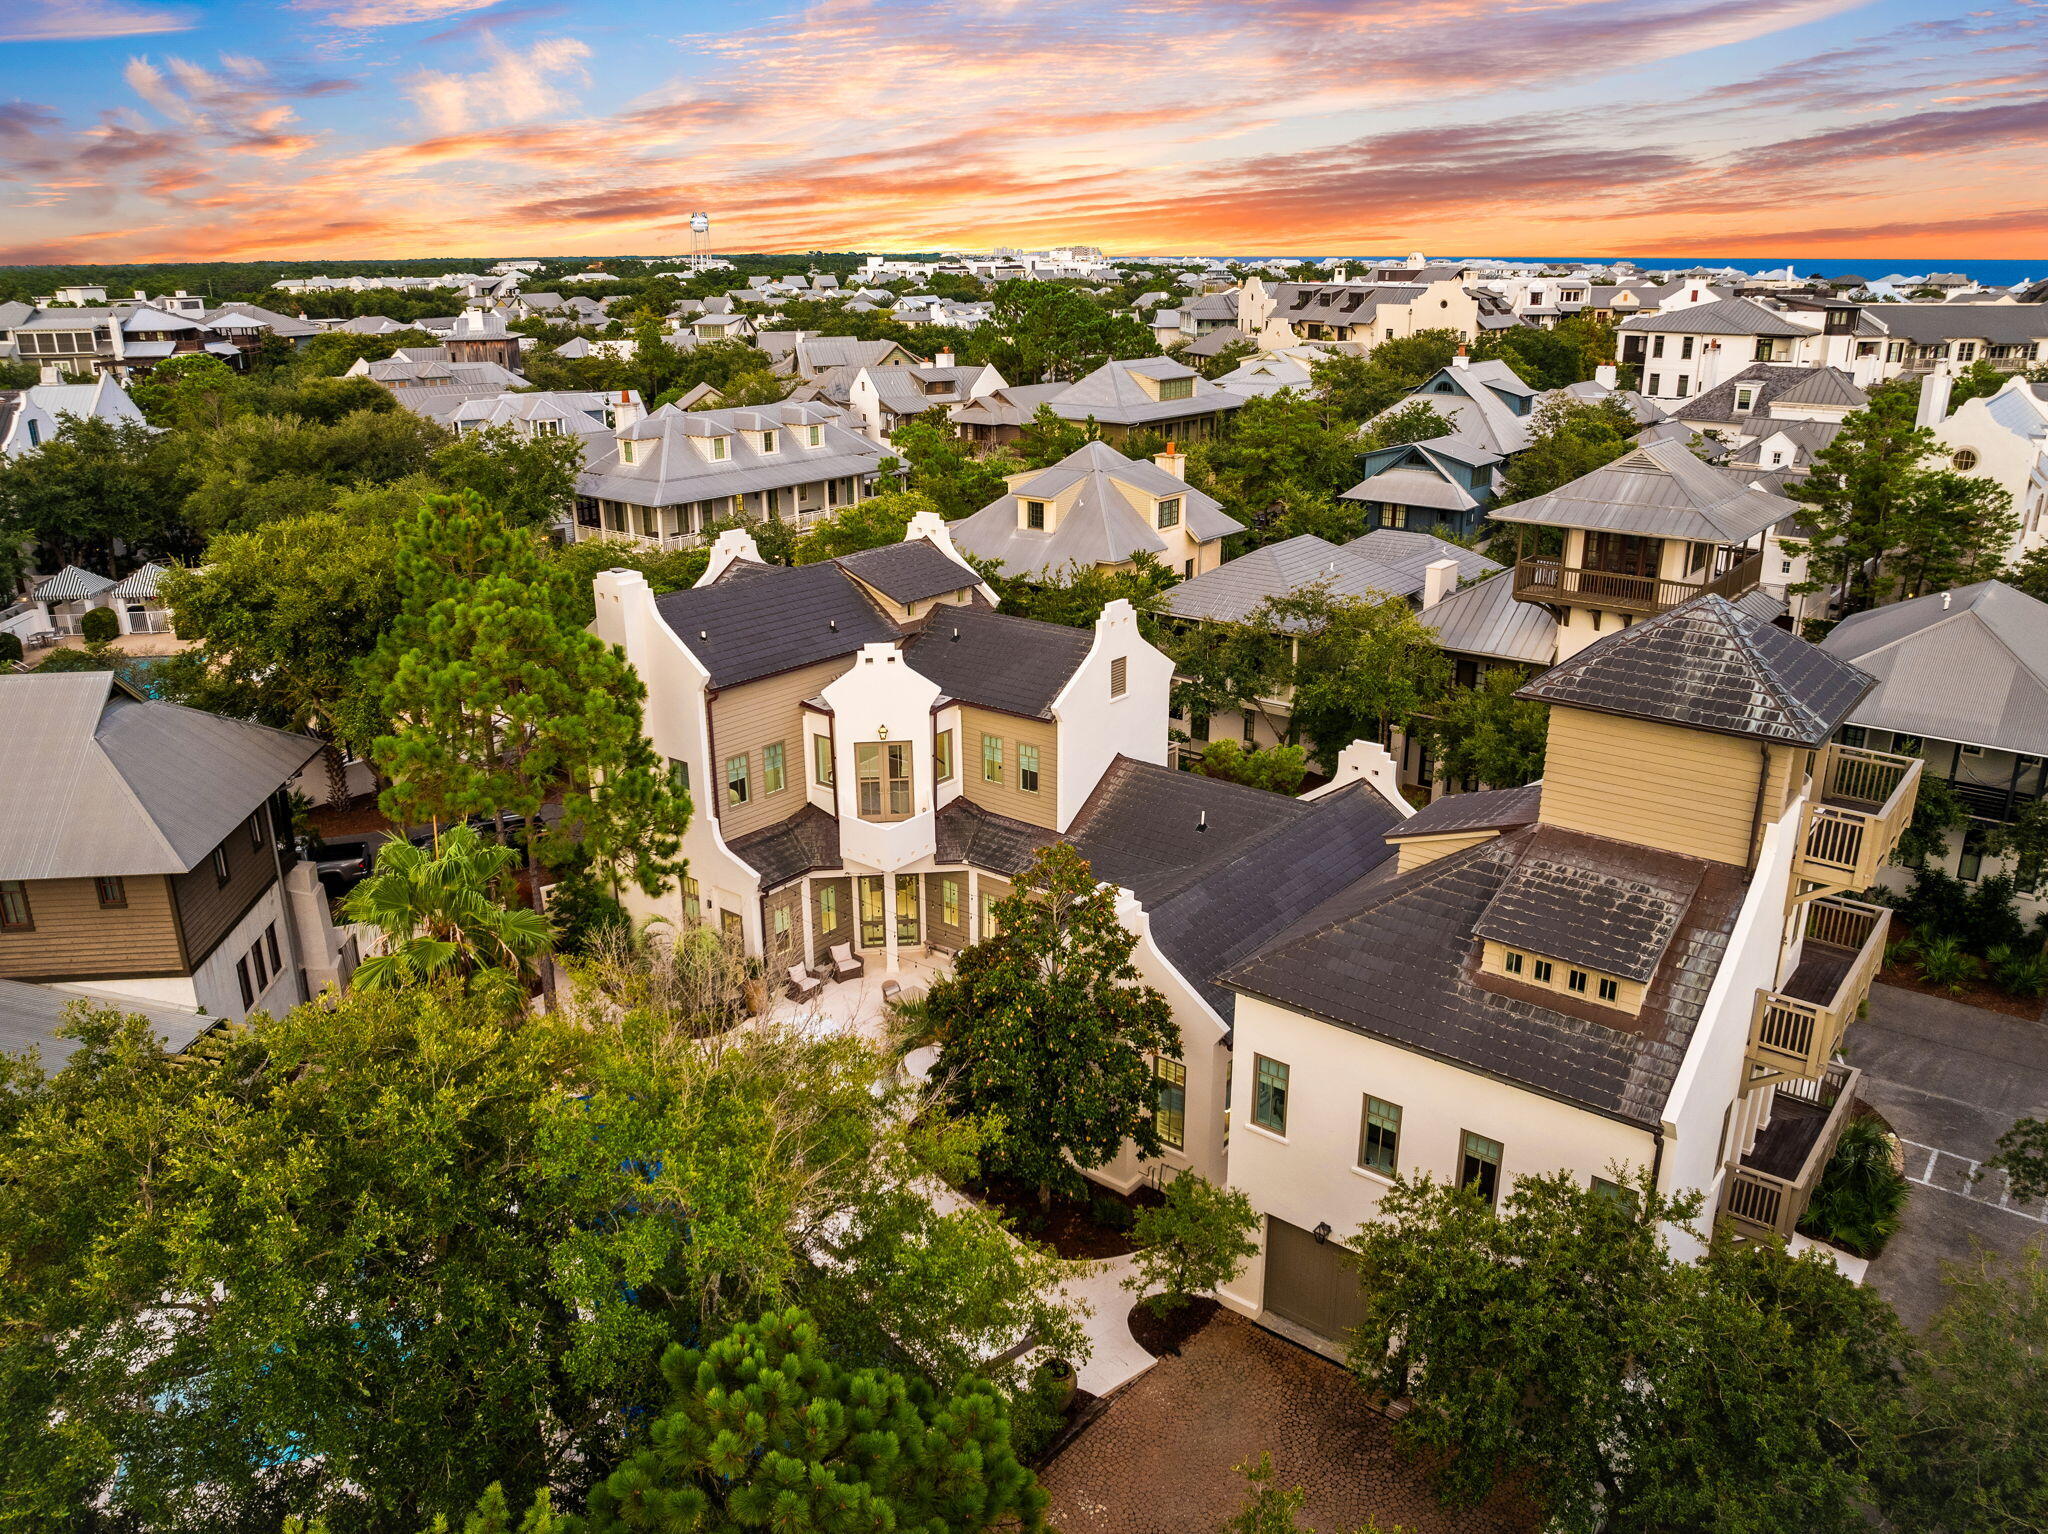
x: 803, y: 985
x: 844, y: 965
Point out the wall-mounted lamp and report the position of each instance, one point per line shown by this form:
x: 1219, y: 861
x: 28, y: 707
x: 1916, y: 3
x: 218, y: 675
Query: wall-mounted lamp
x: 1321, y: 1232
x: 881, y: 732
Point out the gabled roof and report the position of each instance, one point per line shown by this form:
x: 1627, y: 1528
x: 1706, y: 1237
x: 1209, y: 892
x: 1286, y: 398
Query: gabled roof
x: 994, y: 660
x: 1111, y: 394
x: 911, y: 571
x: 756, y: 621
x: 1659, y: 490
x: 1824, y: 386
x: 1484, y: 620
x: 1968, y: 665
x: 1766, y: 382
x: 1723, y: 317
x: 1707, y: 665
x: 1492, y: 809
x: 140, y: 584
x: 101, y: 782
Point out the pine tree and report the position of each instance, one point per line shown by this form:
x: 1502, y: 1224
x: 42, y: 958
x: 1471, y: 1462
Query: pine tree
x: 498, y: 698
x: 1856, y: 492
x: 1047, y: 1026
x: 767, y: 1432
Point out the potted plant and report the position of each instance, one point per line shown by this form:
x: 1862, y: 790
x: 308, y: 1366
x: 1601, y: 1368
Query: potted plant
x: 1058, y: 1376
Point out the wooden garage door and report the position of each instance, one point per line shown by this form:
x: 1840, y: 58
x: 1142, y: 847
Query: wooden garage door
x: 1310, y: 1284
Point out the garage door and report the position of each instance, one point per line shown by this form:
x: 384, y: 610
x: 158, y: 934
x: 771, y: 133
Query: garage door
x: 1310, y: 1283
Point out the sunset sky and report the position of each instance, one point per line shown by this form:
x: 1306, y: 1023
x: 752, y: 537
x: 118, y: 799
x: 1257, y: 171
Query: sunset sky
x: 157, y: 130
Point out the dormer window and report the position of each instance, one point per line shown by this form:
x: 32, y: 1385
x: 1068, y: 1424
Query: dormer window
x: 720, y: 449
x: 1169, y: 512
x: 1176, y: 388
x: 813, y: 435
x: 1745, y: 398
x: 767, y: 441
x: 1034, y: 515
x: 547, y: 428
x: 629, y: 451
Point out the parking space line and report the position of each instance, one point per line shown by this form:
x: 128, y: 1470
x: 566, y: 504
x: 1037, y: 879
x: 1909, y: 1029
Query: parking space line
x: 1972, y: 1189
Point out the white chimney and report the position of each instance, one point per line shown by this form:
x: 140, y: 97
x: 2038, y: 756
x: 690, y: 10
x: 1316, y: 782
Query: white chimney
x: 1934, y: 393
x: 1173, y: 461
x: 1606, y: 375
x: 733, y: 543
x: 1439, y: 580
x: 51, y: 374
x: 1463, y: 359
x: 1341, y: 274
x: 627, y: 410
x: 944, y: 359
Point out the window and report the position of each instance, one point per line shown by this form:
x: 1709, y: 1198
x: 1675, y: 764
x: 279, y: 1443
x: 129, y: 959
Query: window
x: 1269, y: 1094
x: 1187, y: 569
x: 1656, y: 346
x: 767, y: 441
x: 1198, y: 727
x: 256, y: 831
x: 881, y: 771
x: 15, y: 915
x: 1908, y: 745
x: 1379, y: 1139
x: 1575, y: 980
x: 248, y: 990
x: 220, y: 864
x: 780, y: 924
x: 991, y: 758
x: 1613, y: 1192
x: 1170, y: 1103
x: 1543, y: 971
x: 1784, y: 567
x: 942, y: 757
x: 720, y: 448
x: 828, y: 907
x: 1854, y: 735
x: 872, y: 932
x: 1034, y: 514
x: 627, y: 450
x: 1684, y: 384
x: 813, y: 435
x: 1610, y: 990
x: 989, y: 925
x: 678, y: 775
x: 1970, y: 861
x: 1512, y: 963
x: 906, y: 908
x: 1394, y: 516
x: 1656, y: 383
x: 1479, y: 1165
x: 256, y: 963
x: 1745, y: 397
x: 113, y: 893
x: 821, y: 760
x: 1965, y: 460
x: 690, y: 891
x: 1027, y: 768
x: 1685, y: 348
x: 1176, y: 388
x: 774, y: 771
x: 949, y: 899
x: 1169, y: 512
x: 736, y: 779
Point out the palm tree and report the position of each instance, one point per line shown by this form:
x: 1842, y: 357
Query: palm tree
x: 441, y: 919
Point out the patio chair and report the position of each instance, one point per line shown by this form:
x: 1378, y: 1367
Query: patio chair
x: 843, y: 964
x: 803, y: 985
x: 892, y: 992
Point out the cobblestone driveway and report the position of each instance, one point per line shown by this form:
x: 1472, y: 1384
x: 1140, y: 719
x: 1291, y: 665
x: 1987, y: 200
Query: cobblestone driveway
x: 1159, y: 1459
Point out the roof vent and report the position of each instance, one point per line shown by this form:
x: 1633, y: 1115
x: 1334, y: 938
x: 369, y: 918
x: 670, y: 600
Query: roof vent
x: 833, y: 624
x: 1202, y: 821
x: 956, y: 633
x: 703, y: 633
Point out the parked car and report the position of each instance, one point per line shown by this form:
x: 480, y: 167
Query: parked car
x: 341, y: 865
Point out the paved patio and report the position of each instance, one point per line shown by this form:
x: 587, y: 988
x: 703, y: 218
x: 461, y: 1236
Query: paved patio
x: 856, y: 1005
x: 1161, y: 1457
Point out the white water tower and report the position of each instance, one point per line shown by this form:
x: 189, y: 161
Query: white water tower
x: 700, y: 239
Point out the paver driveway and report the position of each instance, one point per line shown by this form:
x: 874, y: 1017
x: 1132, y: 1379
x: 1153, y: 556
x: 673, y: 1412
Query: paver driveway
x: 1160, y: 1458
x: 1951, y: 1079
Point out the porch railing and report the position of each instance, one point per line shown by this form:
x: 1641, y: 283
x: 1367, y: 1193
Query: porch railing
x: 1796, y: 1030
x: 1757, y: 1203
x: 1542, y: 579
x: 1862, y: 803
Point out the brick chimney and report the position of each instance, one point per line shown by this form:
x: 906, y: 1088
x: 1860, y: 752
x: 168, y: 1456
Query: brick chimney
x: 1173, y: 461
x: 1463, y: 359
x: 627, y: 410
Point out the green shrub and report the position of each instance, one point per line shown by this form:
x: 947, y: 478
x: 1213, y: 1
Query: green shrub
x: 1197, y: 1240
x: 1945, y: 966
x: 1107, y: 1209
x: 1861, y: 1193
x: 99, y: 625
x: 10, y: 648
x: 2018, y: 970
x: 1990, y: 919
x: 1038, y: 1410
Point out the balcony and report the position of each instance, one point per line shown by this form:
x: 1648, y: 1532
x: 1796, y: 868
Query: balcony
x: 1862, y: 803
x: 1766, y: 1193
x: 1798, y: 1027
x: 1553, y: 581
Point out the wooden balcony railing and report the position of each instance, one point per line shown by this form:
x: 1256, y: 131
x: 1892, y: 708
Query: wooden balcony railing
x: 1862, y: 803
x: 1767, y: 1192
x: 1552, y: 580
x: 1798, y: 1027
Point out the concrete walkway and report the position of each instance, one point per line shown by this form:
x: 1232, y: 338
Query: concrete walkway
x: 1115, y: 1359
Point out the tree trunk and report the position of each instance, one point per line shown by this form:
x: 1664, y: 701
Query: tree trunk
x: 337, y: 776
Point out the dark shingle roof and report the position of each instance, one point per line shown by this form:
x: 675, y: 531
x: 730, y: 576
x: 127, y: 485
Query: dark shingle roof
x: 967, y: 833
x: 1397, y: 959
x: 1495, y: 809
x: 1707, y: 665
x: 755, y: 622
x: 808, y: 840
x: 993, y: 660
x: 1600, y: 904
x: 911, y: 571
x: 1213, y: 896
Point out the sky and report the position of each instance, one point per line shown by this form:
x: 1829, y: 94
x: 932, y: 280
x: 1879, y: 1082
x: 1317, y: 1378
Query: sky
x: 164, y: 130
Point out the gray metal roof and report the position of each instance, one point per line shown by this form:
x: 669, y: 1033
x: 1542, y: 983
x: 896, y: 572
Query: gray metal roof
x: 671, y: 472
x: 1393, y: 958
x: 1658, y: 490
x: 1968, y: 665
x: 1723, y: 317
x: 1410, y: 484
x: 1766, y: 382
x: 1111, y: 394
x: 101, y: 782
x: 31, y: 1014
x: 1998, y: 324
x: 994, y: 660
x: 1485, y: 620
x: 1101, y: 526
x: 1707, y: 665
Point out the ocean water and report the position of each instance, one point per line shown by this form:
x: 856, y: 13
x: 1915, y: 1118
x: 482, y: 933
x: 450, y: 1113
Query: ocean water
x: 2002, y: 274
